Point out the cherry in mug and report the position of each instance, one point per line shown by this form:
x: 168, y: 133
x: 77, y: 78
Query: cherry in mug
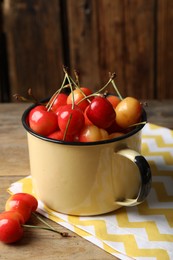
x: 90, y: 162
x: 70, y: 115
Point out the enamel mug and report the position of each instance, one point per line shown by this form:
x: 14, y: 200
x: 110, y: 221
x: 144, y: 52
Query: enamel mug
x: 91, y: 178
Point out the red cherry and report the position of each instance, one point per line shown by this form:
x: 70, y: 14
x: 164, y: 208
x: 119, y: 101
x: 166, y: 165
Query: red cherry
x: 23, y: 203
x: 41, y: 121
x: 100, y: 112
x: 114, y: 127
x: 60, y: 100
x: 78, y: 96
x: 26, y: 198
x: 11, y: 229
x: 87, y: 121
x: 70, y: 119
x: 57, y: 111
x: 59, y: 135
x: 21, y: 208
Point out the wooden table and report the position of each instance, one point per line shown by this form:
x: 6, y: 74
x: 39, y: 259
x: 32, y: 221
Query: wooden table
x: 14, y: 165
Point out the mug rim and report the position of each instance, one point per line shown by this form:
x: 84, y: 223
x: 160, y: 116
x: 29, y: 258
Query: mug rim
x: 106, y: 141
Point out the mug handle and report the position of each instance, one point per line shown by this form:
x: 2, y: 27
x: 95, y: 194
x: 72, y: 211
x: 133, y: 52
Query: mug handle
x: 145, y: 176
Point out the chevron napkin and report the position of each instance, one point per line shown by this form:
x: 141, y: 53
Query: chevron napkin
x: 143, y: 232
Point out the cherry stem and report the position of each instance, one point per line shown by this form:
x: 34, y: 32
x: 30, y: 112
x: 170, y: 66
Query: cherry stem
x: 65, y: 133
x: 77, y: 78
x: 49, y: 227
x: 52, y: 100
x: 23, y: 99
x: 116, y: 89
x: 20, y: 98
x: 100, y: 90
x: 63, y: 234
x: 32, y: 96
x: 42, y: 220
x: 71, y: 88
x: 85, y: 96
x: 78, y: 87
x: 140, y: 123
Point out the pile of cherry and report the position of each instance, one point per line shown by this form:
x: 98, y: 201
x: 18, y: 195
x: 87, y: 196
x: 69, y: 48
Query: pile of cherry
x: 18, y: 210
x: 84, y: 116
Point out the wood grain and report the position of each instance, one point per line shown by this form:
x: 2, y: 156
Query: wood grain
x: 164, y: 49
x: 33, y: 30
x: 4, y: 83
x: 114, y: 36
x: 132, y: 38
x: 83, y: 41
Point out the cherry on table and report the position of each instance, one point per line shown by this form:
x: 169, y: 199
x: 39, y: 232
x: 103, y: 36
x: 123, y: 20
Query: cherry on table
x: 23, y: 203
x: 11, y: 229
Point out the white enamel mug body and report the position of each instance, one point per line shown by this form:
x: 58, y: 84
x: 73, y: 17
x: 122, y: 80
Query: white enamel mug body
x: 88, y: 178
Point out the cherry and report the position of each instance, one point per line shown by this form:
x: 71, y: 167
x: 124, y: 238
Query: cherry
x: 114, y: 135
x: 70, y: 120
x: 79, y: 94
x: 12, y: 221
x: 23, y: 203
x: 114, y: 127
x: 57, y: 111
x: 11, y: 229
x: 87, y: 121
x: 128, y: 112
x: 26, y: 198
x: 59, y: 135
x: 66, y: 117
x: 57, y: 101
x: 92, y: 133
x: 41, y: 121
x: 114, y: 100
x: 20, y: 207
x: 100, y: 112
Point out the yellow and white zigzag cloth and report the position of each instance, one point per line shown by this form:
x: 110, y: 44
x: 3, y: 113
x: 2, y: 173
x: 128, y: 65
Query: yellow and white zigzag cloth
x: 143, y: 232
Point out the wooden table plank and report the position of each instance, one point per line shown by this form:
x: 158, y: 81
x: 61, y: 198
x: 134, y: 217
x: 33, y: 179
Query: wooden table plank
x: 14, y: 151
x: 160, y: 112
x: 39, y: 244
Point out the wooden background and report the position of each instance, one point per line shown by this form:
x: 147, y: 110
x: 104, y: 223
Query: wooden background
x: 132, y: 38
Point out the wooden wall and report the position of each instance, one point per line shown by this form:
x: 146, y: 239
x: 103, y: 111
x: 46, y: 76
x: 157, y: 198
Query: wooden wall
x: 132, y: 38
